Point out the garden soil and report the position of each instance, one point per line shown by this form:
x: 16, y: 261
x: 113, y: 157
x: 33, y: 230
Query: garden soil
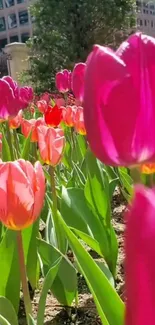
x: 86, y: 313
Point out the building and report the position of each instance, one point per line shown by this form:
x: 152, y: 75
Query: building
x: 15, y: 21
x: 146, y: 16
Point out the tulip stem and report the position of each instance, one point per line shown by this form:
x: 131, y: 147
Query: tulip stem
x: 26, y: 295
x: 54, y: 199
x: 74, y: 144
x: 136, y: 175
x: 9, y: 138
x: 16, y: 141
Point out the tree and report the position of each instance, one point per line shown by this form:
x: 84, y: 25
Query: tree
x: 65, y: 31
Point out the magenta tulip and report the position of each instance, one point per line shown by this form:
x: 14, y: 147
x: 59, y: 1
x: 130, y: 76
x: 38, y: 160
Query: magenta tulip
x: 140, y: 258
x: 63, y: 81
x: 78, y: 81
x: 13, y: 98
x: 119, y: 102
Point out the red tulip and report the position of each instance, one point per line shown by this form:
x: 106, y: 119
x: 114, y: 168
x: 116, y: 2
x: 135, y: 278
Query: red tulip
x: 53, y: 116
x: 28, y: 126
x: 22, y: 190
x: 140, y: 258
x: 51, y: 144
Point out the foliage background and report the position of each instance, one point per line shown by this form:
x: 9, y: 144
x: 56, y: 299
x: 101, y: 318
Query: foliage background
x: 65, y: 31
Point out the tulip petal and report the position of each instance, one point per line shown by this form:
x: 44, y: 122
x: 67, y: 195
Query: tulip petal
x: 78, y: 80
x: 20, y: 198
x: 140, y: 258
x: 39, y: 191
x: 119, y: 102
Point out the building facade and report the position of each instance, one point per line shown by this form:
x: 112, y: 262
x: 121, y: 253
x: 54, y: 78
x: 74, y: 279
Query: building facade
x: 146, y: 16
x: 15, y: 21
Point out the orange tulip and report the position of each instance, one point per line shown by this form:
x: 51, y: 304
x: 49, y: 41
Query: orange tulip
x: 51, y: 144
x: 147, y: 168
x: 15, y: 122
x: 79, y: 121
x: 68, y: 114
x: 22, y: 190
x: 28, y: 126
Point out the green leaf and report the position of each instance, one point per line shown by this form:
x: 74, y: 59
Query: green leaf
x: 3, y: 321
x: 95, y: 190
x: 31, y: 320
x: 67, y: 156
x: 50, y: 276
x: 91, y: 242
x: 126, y: 181
x: 109, y: 305
x: 26, y: 147
x: 7, y: 311
x: 30, y: 235
x: 59, y: 233
x: 81, y: 140
x: 77, y: 214
x: 65, y: 284
x: 6, y: 154
x: 9, y: 266
x: 106, y: 271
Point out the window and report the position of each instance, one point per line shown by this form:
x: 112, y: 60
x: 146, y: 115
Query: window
x: 14, y: 39
x: 23, y: 17
x: 9, y: 3
x: 20, y: 1
x: 145, y: 22
x: 3, y: 42
x: 145, y: 5
x: 151, y: 23
x: 12, y: 21
x: 1, y: 4
x: 152, y: 7
x: 2, y: 24
x: 25, y: 37
x: 141, y: 22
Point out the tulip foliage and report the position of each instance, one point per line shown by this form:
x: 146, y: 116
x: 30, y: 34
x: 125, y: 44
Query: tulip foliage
x: 61, y: 159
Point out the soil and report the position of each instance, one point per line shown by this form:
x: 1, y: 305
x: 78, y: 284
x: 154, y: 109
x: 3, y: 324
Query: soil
x: 86, y: 313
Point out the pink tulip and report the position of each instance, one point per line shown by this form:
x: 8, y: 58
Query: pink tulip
x: 51, y: 144
x: 79, y: 121
x: 0, y: 142
x: 22, y: 190
x: 15, y: 122
x: 32, y: 125
x: 42, y: 106
x: 140, y: 258
x: 13, y: 98
x: 119, y: 104
x: 78, y: 81
x: 62, y: 80
x: 68, y: 114
x: 59, y: 102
